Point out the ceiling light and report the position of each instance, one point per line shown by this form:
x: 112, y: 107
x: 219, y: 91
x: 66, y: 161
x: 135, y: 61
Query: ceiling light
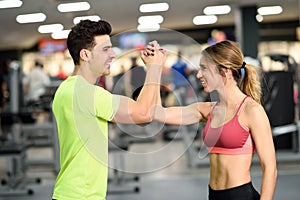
x: 76, y: 20
x: 205, y: 19
x: 270, y: 10
x: 154, y: 19
x: 72, y: 7
x: 148, y: 27
x: 154, y: 7
x: 31, y: 18
x: 217, y: 10
x: 10, y: 3
x: 50, y: 28
x: 60, y: 34
x: 259, y: 18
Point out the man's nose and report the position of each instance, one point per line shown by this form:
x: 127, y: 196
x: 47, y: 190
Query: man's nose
x: 112, y: 53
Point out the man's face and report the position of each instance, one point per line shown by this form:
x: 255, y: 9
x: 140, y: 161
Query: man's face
x: 101, y: 56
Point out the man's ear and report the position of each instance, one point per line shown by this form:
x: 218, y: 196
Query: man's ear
x: 84, y: 54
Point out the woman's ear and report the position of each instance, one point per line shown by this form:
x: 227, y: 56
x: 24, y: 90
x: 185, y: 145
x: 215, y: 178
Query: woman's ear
x: 228, y: 73
x: 223, y: 71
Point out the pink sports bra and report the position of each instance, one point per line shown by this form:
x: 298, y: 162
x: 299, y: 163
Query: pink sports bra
x: 231, y: 138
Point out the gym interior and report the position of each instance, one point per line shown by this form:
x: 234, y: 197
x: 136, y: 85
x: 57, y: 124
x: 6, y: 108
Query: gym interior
x: 155, y: 160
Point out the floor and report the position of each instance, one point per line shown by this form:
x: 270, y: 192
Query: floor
x: 162, y: 173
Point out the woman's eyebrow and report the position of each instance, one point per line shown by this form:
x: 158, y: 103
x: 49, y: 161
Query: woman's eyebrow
x: 202, y: 65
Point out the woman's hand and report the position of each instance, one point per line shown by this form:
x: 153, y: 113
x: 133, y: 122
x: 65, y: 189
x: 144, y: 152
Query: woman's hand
x: 153, y: 54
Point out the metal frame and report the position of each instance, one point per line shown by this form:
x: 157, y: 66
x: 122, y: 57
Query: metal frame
x: 16, y: 181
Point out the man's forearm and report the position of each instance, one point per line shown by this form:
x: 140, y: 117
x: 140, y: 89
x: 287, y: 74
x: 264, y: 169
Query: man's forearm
x: 150, y: 93
x: 153, y: 74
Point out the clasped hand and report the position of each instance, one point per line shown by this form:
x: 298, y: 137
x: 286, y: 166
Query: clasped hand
x: 153, y: 54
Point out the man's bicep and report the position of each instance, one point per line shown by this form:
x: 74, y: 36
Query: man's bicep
x: 104, y: 105
x: 123, y: 109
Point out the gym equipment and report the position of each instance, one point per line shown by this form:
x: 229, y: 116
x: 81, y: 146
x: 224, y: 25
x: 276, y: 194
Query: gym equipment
x: 279, y: 101
x: 15, y: 184
x: 21, y: 133
x: 12, y: 146
x: 118, y: 181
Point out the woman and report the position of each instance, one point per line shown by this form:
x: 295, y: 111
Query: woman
x: 236, y: 125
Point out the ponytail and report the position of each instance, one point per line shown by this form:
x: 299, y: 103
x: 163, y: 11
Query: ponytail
x: 250, y: 83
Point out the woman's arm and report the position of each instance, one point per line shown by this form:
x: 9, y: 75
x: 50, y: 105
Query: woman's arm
x: 184, y: 115
x: 262, y: 135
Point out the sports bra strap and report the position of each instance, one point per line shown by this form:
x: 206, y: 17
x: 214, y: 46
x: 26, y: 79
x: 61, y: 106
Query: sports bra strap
x: 238, y: 111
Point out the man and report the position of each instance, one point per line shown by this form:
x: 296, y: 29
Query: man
x: 36, y: 82
x: 180, y: 73
x: 82, y: 110
x: 137, y: 78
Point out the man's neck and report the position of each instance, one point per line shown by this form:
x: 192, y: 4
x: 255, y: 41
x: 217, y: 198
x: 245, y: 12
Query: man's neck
x: 87, y: 76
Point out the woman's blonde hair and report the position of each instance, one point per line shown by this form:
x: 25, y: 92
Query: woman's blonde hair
x: 227, y: 54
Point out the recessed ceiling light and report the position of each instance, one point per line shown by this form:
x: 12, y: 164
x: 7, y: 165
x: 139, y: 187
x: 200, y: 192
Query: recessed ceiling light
x: 259, y: 18
x: 154, y: 7
x: 205, y: 19
x: 270, y: 10
x: 154, y: 19
x: 50, y: 28
x: 31, y: 18
x: 76, y: 20
x: 73, y: 7
x: 60, y: 34
x: 217, y: 10
x: 10, y: 3
x: 148, y: 27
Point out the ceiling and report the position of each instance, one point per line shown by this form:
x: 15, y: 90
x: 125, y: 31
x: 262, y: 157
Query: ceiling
x: 123, y: 15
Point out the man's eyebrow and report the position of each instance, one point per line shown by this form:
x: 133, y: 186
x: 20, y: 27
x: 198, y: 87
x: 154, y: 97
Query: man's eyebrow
x: 107, y: 46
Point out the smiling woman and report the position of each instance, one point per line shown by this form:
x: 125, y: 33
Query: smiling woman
x: 236, y: 124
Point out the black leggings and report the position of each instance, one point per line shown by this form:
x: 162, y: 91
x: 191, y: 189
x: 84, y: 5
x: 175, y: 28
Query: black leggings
x: 242, y: 192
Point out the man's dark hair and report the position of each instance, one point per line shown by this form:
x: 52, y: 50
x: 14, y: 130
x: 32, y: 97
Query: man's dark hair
x: 82, y: 36
x: 38, y: 63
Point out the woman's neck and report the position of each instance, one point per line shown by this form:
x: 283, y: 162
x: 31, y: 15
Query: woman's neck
x: 232, y: 95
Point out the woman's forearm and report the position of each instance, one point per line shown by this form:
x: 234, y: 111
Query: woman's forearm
x: 268, y: 183
x: 177, y: 115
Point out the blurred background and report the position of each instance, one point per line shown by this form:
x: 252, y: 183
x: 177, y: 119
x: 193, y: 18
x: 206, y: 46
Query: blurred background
x: 174, y: 163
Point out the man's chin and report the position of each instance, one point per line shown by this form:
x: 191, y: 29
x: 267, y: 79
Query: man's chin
x: 106, y: 73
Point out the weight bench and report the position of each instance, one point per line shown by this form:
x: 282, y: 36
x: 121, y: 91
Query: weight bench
x: 15, y: 184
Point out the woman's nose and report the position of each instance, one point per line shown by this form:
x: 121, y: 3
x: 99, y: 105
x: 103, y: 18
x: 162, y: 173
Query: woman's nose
x: 199, y: 74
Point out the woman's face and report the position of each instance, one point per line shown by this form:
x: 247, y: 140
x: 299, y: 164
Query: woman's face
x: 209, y: 75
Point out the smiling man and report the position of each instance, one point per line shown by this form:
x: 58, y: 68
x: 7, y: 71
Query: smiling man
x: 82, y: 110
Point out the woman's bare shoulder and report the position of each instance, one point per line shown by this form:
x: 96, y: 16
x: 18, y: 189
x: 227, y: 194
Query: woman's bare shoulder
x: 254, y: 111
x: 204, y: 108
x: 251, y: 106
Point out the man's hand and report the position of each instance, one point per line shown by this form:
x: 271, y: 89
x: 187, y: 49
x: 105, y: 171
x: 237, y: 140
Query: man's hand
x: 153, y: 54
